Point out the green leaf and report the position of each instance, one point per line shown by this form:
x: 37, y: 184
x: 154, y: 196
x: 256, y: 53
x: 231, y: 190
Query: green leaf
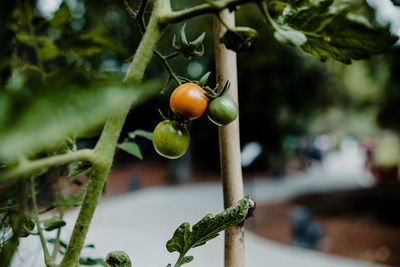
x: 142, y: 133
x: 91, y: 261
x: 27, y: 226
x: 95, y: 41
x: 206, y: 229
x: 9, y: 208
x: 186, y: 259
x: 131, y: 148
x: 62, y: 243
x: 291, y: 37
x: 53, y: 223
x: 240, y: 39
x: 347, y: 38
x: 68, y: 202
x: 35, y: 118
x: 118, y: 258
x: 61, y: 16
x: 331, y: 31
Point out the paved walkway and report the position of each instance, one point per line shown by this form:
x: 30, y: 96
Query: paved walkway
x: 141, y: 222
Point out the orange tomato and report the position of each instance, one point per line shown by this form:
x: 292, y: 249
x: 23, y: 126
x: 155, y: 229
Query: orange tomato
x: 188, y: 101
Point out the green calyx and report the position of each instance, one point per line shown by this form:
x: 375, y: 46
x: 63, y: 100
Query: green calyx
x: 188, y: 49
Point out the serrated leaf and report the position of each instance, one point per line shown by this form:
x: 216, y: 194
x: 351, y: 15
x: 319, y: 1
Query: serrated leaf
x: 53, y: 223
x: 345, y: 39
x: 207, y: 228
x: 330, y: 30
x: 131, y: 148
x: 142, y: 133
x: 43, y: 117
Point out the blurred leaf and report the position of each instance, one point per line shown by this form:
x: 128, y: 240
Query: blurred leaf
x: 95, y: 41
x: 61, y: 16
x: 8, y: 209
x: 27, y: 224
x: 142, y: 133
x: 240, y: 39
x: 131, y: 148
x: 6, y: 37
x: 331, y: 31
x: 62, y: 243
x: 206, y: 229
x: 35, y: 118
x: 91, y: 261
x: 89, y: 246
x: 290, y: 37
x: 68, y: 202
x: 53, y: 223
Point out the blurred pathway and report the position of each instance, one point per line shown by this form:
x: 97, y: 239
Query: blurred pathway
x: 141, y: 222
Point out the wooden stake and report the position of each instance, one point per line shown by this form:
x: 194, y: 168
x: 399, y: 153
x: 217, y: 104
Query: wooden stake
x: 229, y: 142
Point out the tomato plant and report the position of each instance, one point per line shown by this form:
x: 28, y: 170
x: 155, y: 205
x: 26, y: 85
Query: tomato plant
x: 171, y: 139
x: 188, y: 101
x: 222, y: 110
x: 46, y: 106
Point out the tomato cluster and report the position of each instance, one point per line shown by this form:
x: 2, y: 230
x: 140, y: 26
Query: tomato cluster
x: 188, y: 102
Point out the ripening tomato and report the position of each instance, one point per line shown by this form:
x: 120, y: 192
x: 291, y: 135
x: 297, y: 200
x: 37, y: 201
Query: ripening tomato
x: 171, y: 139
x: 188, y: 101
x: 222, y: 110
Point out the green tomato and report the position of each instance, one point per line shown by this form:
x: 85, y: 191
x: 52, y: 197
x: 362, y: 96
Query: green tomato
x: 171, y: 139
x: 222, y: 110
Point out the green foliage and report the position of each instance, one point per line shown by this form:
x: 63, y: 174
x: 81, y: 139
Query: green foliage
x: 331, y: 31
x: 189, y: 49
x: 240, y: 39
x: 91, y: 261
x: 53, y: 223
x: 6, y: 37
x: 44, y: 116
x: 118, y: 258
x: 131, y: 148
x: 206, y: 229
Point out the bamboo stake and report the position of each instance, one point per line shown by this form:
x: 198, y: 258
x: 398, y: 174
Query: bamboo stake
x: 229, y: 143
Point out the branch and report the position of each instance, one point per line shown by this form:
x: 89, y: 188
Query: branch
x: 206, y: 8
x: 30, y: 167
x: 47, y: 259
x: 164, y: 61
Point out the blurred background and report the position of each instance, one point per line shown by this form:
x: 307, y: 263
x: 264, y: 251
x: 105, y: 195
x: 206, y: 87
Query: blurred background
x: 320, y: 140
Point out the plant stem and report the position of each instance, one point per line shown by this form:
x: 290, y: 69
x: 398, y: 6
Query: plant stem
x: 164, y: 61
x: 47, y: 259
x: 201, y: 9
x: 105, y: 148
x: 264, y: 10
x: 28, y: 167
x: 7, y: 251
x: 229, y: 143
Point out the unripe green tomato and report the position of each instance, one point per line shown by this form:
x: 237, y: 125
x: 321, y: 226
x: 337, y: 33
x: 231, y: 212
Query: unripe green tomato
x: 171, y: 139
x: 222, y: 110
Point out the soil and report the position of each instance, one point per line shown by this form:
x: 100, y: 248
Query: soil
x: 362, y: 224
